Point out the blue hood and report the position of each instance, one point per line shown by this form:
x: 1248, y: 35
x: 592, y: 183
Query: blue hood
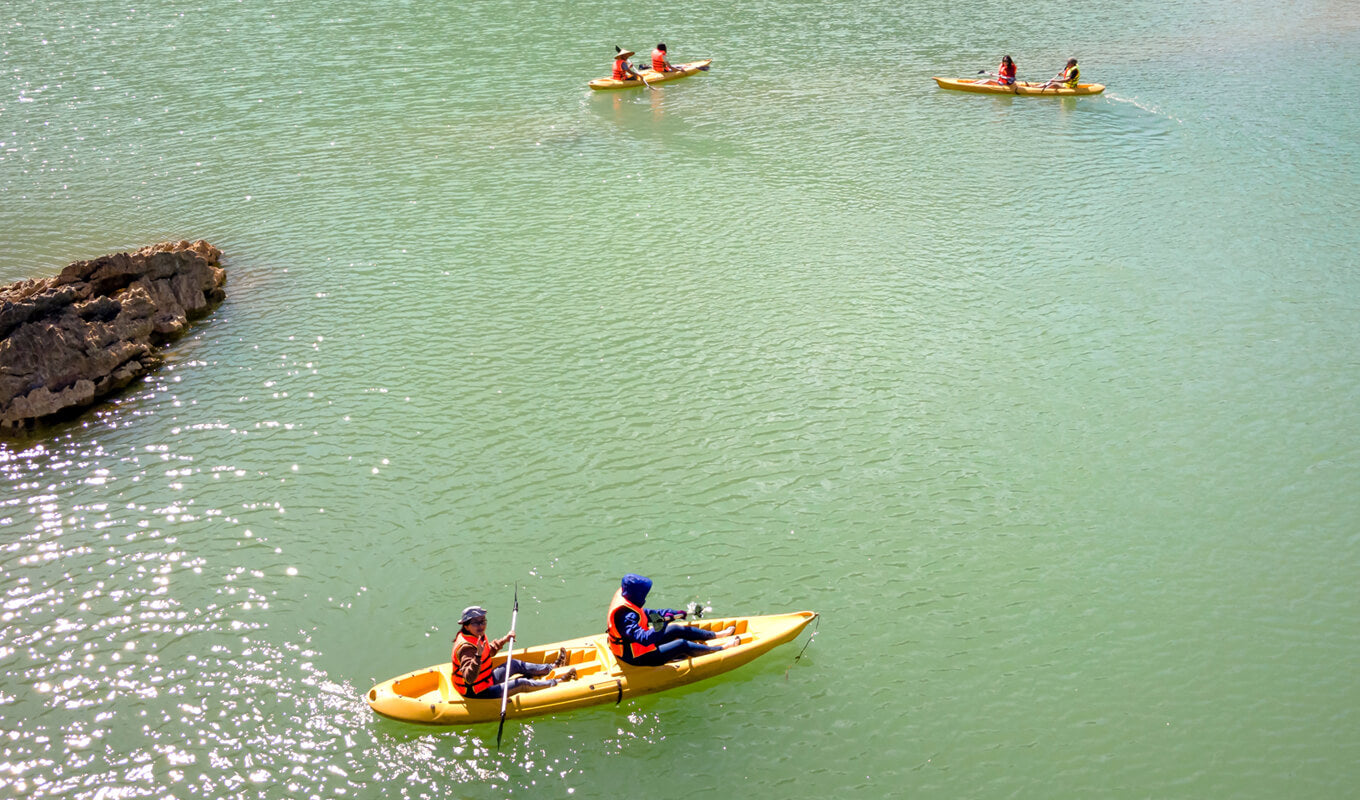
x: 635, y: 588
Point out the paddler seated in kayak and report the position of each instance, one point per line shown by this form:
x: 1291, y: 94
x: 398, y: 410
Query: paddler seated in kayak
x: 473, y: 675
x: 1068, y: 77
x: 659, y: 62
x: 1005, y: 72
x: 634, y: 642
x: 622, y: 69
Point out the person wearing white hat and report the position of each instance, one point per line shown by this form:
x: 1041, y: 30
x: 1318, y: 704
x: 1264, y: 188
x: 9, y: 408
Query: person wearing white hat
x: 474, y: 677
x: 622, y: 69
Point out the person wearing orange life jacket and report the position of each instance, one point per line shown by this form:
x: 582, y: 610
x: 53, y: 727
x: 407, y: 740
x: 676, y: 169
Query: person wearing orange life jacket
x: 633, y: 642
x: 659, y: 62
x: 1005, y: 72
x: 622, y: 69
x: 474, y: 677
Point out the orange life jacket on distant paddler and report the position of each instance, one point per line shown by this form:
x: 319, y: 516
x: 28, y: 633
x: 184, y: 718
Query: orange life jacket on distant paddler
x: 659, y: 60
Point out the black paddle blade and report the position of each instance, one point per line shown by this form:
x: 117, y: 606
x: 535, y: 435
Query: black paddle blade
x: 499, y: 732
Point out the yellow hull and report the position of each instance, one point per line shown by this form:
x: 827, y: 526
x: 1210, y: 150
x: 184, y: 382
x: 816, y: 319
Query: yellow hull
x: 427, y: 695
x: 1019, y: 87
x: 653, y: 78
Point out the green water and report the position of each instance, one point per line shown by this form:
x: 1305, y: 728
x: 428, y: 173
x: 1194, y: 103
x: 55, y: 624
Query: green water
x: 1048, y: 406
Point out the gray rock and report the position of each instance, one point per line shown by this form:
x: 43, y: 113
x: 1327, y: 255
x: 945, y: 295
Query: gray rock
x: 69, y: 341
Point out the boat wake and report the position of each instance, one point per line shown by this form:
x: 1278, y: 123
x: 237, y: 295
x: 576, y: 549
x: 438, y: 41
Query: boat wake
x: 1150, y: 109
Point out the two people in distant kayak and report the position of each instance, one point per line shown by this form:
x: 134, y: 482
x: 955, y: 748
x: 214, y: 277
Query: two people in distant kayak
x: 474, y: 677
x: 624, y: 69
x: 634, y: 641
x: 631, y: 638
x: 1005, y: 74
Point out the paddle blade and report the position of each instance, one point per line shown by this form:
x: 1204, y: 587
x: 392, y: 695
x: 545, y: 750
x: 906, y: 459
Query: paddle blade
x: 499, y: 731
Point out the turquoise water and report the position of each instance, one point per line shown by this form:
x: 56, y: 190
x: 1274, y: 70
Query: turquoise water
x: 1048, y: 406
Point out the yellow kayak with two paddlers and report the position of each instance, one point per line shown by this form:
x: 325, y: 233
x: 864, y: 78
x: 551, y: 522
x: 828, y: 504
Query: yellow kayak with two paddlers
x: 653, y: 77
x: 427, y: 695
x: 1019, y: 87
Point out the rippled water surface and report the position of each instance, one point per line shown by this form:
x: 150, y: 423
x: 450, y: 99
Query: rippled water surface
x: 1048, y: 406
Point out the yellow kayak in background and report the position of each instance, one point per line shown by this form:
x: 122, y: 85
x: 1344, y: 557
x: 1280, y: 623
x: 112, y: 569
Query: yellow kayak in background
x: 653, y: 77
x: 427, y: 695
x: 1019, y: 87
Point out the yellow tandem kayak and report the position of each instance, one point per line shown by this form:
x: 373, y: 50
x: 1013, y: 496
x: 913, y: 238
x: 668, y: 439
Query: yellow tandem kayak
x: 653, y: 77
x: 427, y: 695
x: 1019, y: 87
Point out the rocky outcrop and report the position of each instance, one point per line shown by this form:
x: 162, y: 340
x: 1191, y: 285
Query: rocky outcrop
x: 68, y: 341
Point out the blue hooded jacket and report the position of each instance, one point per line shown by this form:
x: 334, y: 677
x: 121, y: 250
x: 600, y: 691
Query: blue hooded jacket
x: 635, y: 588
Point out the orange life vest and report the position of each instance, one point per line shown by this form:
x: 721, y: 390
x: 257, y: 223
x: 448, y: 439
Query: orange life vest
x: 484, y: 679
x: 621, y: 647
x: 1006, y: 73
x: 659, y: 60
x: 1071, y: 75
x: 618, y: 70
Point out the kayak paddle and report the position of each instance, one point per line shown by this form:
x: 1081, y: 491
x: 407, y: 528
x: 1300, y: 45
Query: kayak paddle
x: 510, y: 651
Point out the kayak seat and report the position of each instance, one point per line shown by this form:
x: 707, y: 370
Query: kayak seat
x: 417, y: 686
x: 446, y: 692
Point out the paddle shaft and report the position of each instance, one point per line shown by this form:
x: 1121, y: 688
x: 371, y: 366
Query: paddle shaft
x: 643, y: 78
x: 1056, y: 80
x: 509, y: 652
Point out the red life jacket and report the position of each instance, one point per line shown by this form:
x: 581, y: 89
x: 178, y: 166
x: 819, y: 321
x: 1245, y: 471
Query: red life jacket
x: 1006, y: 72
x: 621, y: 647
x: 618, y: 70
x: 659, y: 60
x: 484, y: 679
